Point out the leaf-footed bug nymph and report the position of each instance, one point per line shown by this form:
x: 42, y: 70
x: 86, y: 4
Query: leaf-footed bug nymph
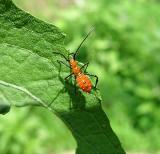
x: 81, y: 77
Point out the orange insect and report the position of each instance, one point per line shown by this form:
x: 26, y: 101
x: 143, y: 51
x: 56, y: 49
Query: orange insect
x: 81, y: 77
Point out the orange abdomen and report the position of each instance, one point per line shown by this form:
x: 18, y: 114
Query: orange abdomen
x: 84, y: 82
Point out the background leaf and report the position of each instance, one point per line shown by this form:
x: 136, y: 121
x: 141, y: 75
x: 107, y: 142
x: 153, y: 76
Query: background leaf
x: 30, y: 75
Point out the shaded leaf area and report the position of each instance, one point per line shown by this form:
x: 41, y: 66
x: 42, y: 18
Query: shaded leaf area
x: 30, y: 75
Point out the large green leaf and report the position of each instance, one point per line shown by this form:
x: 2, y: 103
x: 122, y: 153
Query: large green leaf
x: 30, y: 75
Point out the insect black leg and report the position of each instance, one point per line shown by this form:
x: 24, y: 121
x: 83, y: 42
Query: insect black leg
x: 66, y: 78
x: 70, y: 54
x: 85, y: 66
x: 95, y: 77
x: 61, y: 55
x: 61, y: 62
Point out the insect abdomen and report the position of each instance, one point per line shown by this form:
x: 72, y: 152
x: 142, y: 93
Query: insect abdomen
x: 84, y: 83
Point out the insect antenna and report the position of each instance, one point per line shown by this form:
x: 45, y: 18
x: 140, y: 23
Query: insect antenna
x: 74, y: 56
x: 61, y: 55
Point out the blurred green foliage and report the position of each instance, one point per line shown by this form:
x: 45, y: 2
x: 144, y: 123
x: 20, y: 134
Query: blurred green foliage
x: 124, y: 52
x: 31, y: 130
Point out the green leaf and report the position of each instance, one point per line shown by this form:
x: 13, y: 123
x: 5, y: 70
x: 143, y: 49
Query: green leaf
x: 31, y: 75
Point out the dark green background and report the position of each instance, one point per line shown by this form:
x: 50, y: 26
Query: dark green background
x: 124, y: 51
